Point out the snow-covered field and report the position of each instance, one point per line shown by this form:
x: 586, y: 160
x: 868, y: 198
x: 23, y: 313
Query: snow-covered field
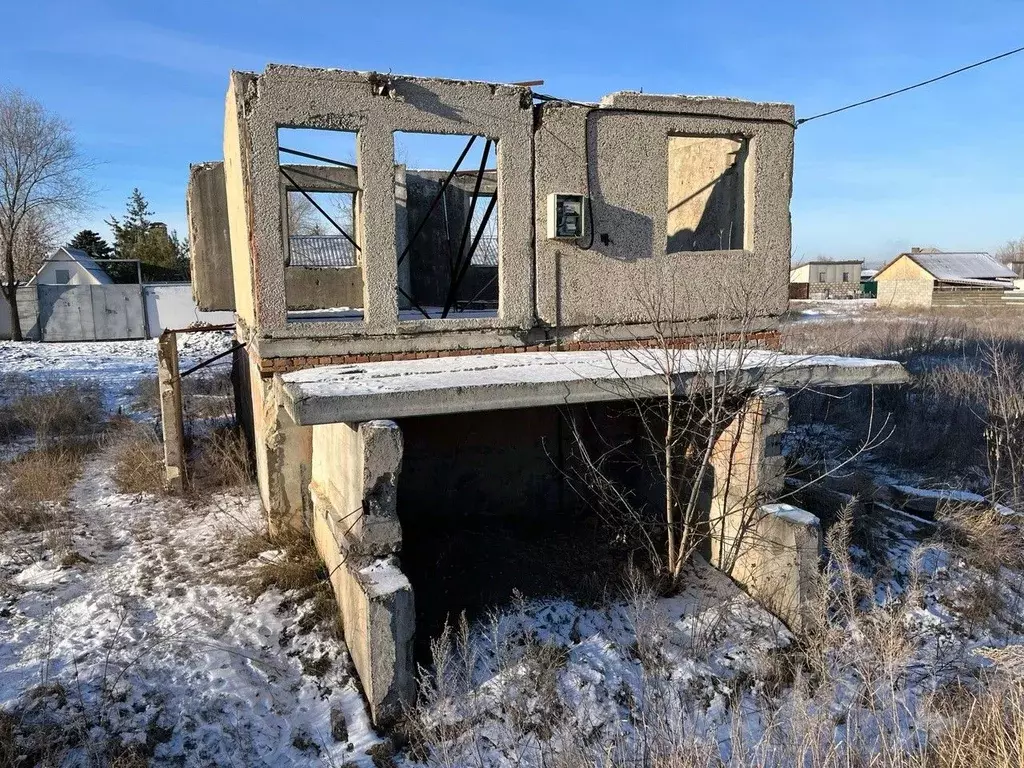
x: 115, y: 366
x: 124, y: 625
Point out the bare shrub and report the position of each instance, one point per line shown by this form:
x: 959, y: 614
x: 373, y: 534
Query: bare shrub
x: 35, y: 485
x: 222, y: 461
x: 138, y: 465
x: 60, y: 415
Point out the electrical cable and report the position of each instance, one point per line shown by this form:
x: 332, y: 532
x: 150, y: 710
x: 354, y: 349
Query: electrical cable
x: 911, y: 87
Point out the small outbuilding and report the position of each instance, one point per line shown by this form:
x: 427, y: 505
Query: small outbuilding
x: 825, y: 279
x: 70, y: 266
x: 938, y: 278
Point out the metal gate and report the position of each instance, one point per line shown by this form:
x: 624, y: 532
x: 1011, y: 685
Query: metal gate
x: 91, y: 312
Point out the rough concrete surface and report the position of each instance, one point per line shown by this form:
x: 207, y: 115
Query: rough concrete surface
x: 494, y: 382
x: 171, y: 415
x: 628, y: 276
x: 206, y: 207
x: 355, y: 468
x: 375, y: 106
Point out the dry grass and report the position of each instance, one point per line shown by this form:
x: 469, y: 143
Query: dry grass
x: 60, y: 415
x: 842, y: 696
x: 221, y: 461
x: 289, y: 563
x: 138, y: 460
x: 35, y: 485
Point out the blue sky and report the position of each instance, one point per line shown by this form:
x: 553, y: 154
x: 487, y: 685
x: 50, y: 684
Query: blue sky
x: 143, y: 86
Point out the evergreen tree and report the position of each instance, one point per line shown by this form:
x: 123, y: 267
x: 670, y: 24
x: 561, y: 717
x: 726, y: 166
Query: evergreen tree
x: 137, y: 236
x: 91, y: 243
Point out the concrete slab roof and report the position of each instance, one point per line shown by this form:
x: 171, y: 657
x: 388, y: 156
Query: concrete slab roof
x: 398, y: 389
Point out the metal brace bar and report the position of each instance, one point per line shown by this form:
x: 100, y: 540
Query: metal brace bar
x: 234, y: 347
x: 437, y: 197
x: 459, y: 254
x: 319, y: 208
x: 316, y: 157
x: 469, y: 257
x: 413, y: 302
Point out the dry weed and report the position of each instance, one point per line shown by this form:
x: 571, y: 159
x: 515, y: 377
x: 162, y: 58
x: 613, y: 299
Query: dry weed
x: 35, y: 485
x: 138, y: 460
x: 60, y: 415
x: 222, y: 461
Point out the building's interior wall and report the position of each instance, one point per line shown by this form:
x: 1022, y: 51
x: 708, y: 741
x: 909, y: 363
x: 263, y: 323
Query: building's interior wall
x: 705, y: 193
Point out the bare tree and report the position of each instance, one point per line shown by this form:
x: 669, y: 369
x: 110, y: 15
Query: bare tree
x: 1011, y: 251
x: 696, y: 428
x: 41, y: 179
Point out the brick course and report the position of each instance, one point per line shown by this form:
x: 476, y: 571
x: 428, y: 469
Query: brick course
x: 270, y: 365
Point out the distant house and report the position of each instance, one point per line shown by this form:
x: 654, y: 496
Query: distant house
x: 70, y: 266
x: 936, y: 278
x: 826, y: 279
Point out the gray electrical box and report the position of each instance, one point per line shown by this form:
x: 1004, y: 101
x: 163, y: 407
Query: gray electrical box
x: 566, y: 219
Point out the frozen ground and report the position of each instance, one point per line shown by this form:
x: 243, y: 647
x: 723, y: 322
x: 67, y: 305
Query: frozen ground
x: 122, y: 625
x: 114, y: 365
x: 828, y: 309
x: 141, y: 638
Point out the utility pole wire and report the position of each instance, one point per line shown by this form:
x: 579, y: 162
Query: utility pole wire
x: 911, y: 87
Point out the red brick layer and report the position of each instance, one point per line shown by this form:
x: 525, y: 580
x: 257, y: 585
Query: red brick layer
x: 271, y: 365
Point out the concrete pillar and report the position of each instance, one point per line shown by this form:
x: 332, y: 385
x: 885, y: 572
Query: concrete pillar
x: 169, y: 384
x: 283, y: 457
x: 771, y: 550
x: 356, y: 530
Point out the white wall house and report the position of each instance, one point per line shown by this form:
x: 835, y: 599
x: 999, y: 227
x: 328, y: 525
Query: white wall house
x: 70, y: 266
x: 828, y: 272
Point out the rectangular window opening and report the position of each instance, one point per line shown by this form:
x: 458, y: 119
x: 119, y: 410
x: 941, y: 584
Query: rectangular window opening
x: 321, y: 225
x: 446, y: 197
x: 705, y: 193
x: 62, y: 276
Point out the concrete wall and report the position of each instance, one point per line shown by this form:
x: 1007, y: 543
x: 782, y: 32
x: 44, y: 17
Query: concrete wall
x: 355, y: 528
x: 435, y: 247
x: 28, y: 313
x: 91, y: 312
x: 375, y: 106
x: 705, y: 193
x: 209, y: 239
x: 722, y: 166
x: 321, y: 288
x: 172, y: 306
x: 629, y: 270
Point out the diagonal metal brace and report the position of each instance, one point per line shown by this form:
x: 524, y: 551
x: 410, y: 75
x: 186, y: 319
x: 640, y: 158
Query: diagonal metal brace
x: 317, y: 205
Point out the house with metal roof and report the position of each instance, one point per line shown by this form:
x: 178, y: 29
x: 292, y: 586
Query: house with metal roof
x: 939, y: 278
x: 70, y: 266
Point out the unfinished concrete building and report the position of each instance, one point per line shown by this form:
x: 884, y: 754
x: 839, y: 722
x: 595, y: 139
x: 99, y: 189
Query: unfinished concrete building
x: 411, y: 372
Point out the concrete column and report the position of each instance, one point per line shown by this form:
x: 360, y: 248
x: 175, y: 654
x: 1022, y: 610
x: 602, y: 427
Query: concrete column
x: 356, y: 530
x: 770, y: 549
x: 283, y: 457
x: 171, y: 418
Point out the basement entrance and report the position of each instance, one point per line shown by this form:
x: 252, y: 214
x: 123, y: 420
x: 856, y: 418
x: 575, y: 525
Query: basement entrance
x: 496, y: 504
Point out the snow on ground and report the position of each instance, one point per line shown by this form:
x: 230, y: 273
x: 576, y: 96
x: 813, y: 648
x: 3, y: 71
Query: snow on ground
x: 537, y: 672
x: 828, y: 309
x: 142, y: 636
x: 115, y: 366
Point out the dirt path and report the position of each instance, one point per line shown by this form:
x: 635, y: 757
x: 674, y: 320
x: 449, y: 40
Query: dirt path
x: 151, y: 645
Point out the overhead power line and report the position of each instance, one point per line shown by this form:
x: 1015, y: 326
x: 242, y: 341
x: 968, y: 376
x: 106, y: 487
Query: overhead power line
x: 911, y: 87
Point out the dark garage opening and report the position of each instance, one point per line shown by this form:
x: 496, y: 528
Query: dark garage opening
x: 491, y: 506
